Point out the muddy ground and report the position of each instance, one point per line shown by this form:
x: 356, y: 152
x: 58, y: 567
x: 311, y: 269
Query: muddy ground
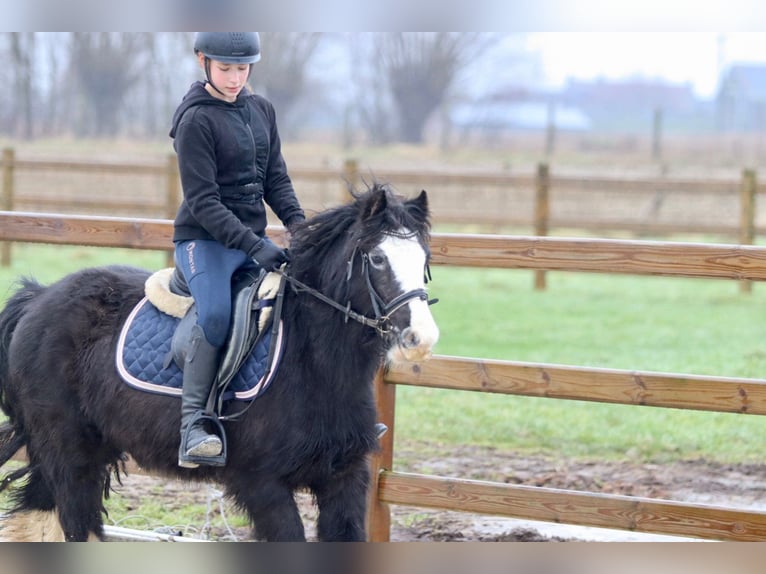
x: 699, y: 481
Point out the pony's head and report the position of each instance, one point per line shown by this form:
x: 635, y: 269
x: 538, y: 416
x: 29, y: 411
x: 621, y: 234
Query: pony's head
x: 371, y: 256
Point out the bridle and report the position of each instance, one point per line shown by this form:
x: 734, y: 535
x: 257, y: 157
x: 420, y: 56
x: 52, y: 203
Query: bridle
x: 383, y: 311
x: 381, y: 322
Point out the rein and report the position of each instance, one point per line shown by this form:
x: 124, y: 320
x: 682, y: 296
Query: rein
x: 383, y: 311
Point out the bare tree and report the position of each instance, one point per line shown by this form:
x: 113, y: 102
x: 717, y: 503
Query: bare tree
x: 108, y: 84
x: 150, y: 83
x: 281, y: 73
x: 22, y: 58
x: 168, y: 67
x: 106, y: 65
x: 182, y: 68
x: 421, y: 67
x: 372, y: 104
x: 52, y: 100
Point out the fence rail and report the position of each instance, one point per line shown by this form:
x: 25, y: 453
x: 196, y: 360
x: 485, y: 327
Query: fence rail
x: 569, y: 507
x: 644, y: 388
x: 544, y: 199
x: 490, y: 251
x: 679, y: 259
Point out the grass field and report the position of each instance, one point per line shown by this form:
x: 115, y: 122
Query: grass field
x: 656, y: 324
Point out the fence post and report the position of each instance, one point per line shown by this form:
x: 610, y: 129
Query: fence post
x: 351, y: 179
x: 379, y: 513
x: 542, y: 213
x: 747, y: 194
x: 7, y: 200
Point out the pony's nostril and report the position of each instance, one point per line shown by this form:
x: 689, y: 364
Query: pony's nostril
x: 410, y: 339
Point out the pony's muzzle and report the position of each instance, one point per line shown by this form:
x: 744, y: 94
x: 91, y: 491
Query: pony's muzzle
x: 413, y: 345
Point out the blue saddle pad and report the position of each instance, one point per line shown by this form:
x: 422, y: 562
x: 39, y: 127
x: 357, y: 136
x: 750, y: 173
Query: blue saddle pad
x: 144, y: 344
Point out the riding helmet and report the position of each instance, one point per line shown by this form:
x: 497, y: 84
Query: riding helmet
x: 229, y: 47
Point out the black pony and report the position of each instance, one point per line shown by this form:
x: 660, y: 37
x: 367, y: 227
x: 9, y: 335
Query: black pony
x: 313, y: 428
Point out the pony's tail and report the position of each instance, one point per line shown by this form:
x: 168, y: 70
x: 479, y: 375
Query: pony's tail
x: 10, y: 443
x: 12, y: 434
x: 10, y: 316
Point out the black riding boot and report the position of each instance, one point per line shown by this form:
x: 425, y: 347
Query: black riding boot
x: 200, y: 368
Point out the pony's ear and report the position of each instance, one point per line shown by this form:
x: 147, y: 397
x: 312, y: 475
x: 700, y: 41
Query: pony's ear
x: 377, y: 202
x: 419, y: 206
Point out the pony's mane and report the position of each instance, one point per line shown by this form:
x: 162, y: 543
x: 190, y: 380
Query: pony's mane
x: 323, y: 245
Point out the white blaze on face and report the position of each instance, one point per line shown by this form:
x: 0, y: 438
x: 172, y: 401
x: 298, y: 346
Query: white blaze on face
x: 407, y: 260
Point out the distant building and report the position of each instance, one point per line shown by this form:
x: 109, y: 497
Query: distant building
x: 741, y: 99
x: 631, y: 93
x: 529, y: 115
x: 630, y: 104
x: 517, y: 108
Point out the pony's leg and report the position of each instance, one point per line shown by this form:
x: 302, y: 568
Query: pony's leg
x: 75, y: 478
x: 272, y: 510
x: 79, y: 500
x: 342, y: 504
x: 66, y: 484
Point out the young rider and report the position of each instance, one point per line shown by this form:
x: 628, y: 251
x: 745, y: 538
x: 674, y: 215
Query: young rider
x: 230, y: 163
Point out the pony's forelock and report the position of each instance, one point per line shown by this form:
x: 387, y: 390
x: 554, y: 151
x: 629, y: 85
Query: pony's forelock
x: 336, y: 233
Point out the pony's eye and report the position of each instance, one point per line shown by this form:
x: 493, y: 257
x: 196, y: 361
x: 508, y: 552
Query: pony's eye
x: 377, y: 260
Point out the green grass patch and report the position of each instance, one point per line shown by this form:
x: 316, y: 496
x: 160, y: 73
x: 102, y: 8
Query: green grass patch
x: 47, y: 263
x: 640, y: 323
x: 649, y: 323
x: 175, y: 512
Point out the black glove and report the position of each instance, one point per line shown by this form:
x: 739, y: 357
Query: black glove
x: 269, y: 256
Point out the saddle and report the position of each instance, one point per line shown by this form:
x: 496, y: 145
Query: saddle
x: 242, y: 331
x: 256, y: 305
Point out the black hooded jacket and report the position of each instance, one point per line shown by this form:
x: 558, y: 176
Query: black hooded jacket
x: 230, y: 162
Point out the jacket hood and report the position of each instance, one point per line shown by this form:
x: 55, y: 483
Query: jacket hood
x: 198, y: 96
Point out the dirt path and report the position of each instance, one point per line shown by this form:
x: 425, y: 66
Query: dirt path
x: 696, y: 481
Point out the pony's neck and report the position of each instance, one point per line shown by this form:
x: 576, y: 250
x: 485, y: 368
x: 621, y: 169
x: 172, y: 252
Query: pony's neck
x: 326, y: 341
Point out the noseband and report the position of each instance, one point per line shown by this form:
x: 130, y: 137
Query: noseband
x: 381, y: 322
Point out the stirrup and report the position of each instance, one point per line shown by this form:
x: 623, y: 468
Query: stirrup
x: 193, y: 461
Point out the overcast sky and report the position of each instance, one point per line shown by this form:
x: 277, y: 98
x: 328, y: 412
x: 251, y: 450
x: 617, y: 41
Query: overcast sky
x: 694, y: 57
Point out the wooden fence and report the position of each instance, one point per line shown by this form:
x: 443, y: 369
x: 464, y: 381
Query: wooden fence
x: 537, y: 201
x: 639, y: 388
